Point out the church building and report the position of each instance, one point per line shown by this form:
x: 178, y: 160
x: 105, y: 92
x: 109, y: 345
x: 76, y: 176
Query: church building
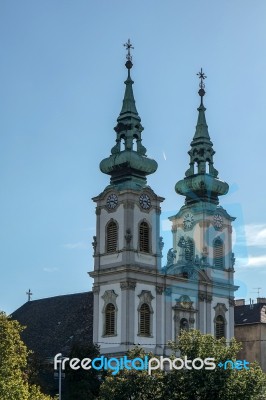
x: 137, y: 300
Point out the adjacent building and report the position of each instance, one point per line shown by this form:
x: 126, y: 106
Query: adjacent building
x: 250, y: 330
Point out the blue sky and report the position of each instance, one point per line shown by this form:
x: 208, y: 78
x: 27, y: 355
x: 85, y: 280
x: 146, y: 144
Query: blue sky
x: 61, y: 87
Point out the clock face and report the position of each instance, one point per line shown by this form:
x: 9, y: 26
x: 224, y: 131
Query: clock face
x: 217, y: 221
x: 145, y: 201
x: 112, y: 201
x: 188, y: 220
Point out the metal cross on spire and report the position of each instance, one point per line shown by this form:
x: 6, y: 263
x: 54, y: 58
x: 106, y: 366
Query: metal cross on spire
x: 128, y: 46
x: 29, y: 293
x: 201, y: 76
x: 201, y: 92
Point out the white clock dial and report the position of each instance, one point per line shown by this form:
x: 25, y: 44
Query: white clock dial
x: 217, y: 221
x: 188, y: 220
x: 112, y: 201
x: 145, y: 201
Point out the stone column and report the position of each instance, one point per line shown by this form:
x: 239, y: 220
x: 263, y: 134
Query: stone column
x: 159, y: 321
x: 96, y: 313
x: 202, y: 314
x: 209, y: 322
x: 168, y: 316
x: 128, y: 312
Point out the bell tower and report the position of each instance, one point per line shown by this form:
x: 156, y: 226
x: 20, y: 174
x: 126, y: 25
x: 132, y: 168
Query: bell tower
x: 202, y: 234
x: 127, y: 245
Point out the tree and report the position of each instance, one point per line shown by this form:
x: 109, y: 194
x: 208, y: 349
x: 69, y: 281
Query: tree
x: 184, y: 384
x: 82, y: 384
x: 13, y: 364
x: 219, y: 383
x: 133, y: 384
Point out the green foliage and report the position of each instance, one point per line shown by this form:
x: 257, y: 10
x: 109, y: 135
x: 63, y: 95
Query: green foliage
x: 13, y: 355
x: 132, y: 384
x: 218, y: 384
x: 82, y: 384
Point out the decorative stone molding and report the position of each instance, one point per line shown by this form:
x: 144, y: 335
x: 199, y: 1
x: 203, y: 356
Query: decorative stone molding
x: 202, y: 296
x: 209, y: 298
x: 184, y: 302
x: 128, y: 236
x: 128, y: 285
x: 204, y: 224
x: 220, y: 308
x: 159, y: 289
x: 145, y: 297
x: 98, y: 210
x: 128, y: 204
x: 96, y: 289
x: 231, y: 302
x: 109, y: 296
x: 94, y: 245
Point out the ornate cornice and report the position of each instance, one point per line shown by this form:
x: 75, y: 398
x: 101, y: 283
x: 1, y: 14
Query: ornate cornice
x: 128, y: 285
x: 96, y: 289
x: 159, y: 289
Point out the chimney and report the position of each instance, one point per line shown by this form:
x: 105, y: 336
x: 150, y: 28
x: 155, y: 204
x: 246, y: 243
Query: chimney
x: 261, y: 300
x: 240, y: 302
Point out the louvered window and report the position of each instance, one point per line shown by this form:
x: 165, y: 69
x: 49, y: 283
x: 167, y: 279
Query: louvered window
x: 144, y: 240
x: 218, y: 253
x: 111, y: 237
x: 110, y: 319
x: 219, y: 327
x: 189, y: 250
x: 145, y: 320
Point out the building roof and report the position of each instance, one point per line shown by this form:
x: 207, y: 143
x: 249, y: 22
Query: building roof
x: 54, y: 323
x: 246, y: 314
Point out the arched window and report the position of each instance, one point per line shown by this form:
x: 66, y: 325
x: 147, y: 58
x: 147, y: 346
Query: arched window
x: 218, y: 253
x: 144, y: 237
x: 219, y: 327
x: 144, y: 320
x: 110, y: 319
x: 184, y: 324
x: 189, y: 250
x: 111, y: 237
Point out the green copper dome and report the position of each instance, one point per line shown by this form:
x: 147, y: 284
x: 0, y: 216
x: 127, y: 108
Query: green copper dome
x: 201, y: 182
x: 128, y: 164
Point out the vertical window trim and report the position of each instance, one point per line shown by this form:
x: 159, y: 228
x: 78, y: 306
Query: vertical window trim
x: 109, y: 297
x: 220, y: 310
x: 145, y: 297
x: 148, y: 248
x: 218, y: 260
x: 190, y: 250
x: 219, y: 324
x: 111, y: 243
x: 144, y: 320
x: 110, y: 318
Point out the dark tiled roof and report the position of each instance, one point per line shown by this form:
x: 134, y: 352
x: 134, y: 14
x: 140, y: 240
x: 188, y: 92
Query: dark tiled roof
x: 247, y: 315
x: 53, y: 324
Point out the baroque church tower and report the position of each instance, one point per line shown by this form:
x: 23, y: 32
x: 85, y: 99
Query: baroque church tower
x: 136, y: 300
x: 202, y: 241
x: 127, y: 246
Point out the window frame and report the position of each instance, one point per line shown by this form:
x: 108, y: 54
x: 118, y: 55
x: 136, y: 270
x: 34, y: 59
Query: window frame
x: 144, y: 248
x: 111, y: 245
